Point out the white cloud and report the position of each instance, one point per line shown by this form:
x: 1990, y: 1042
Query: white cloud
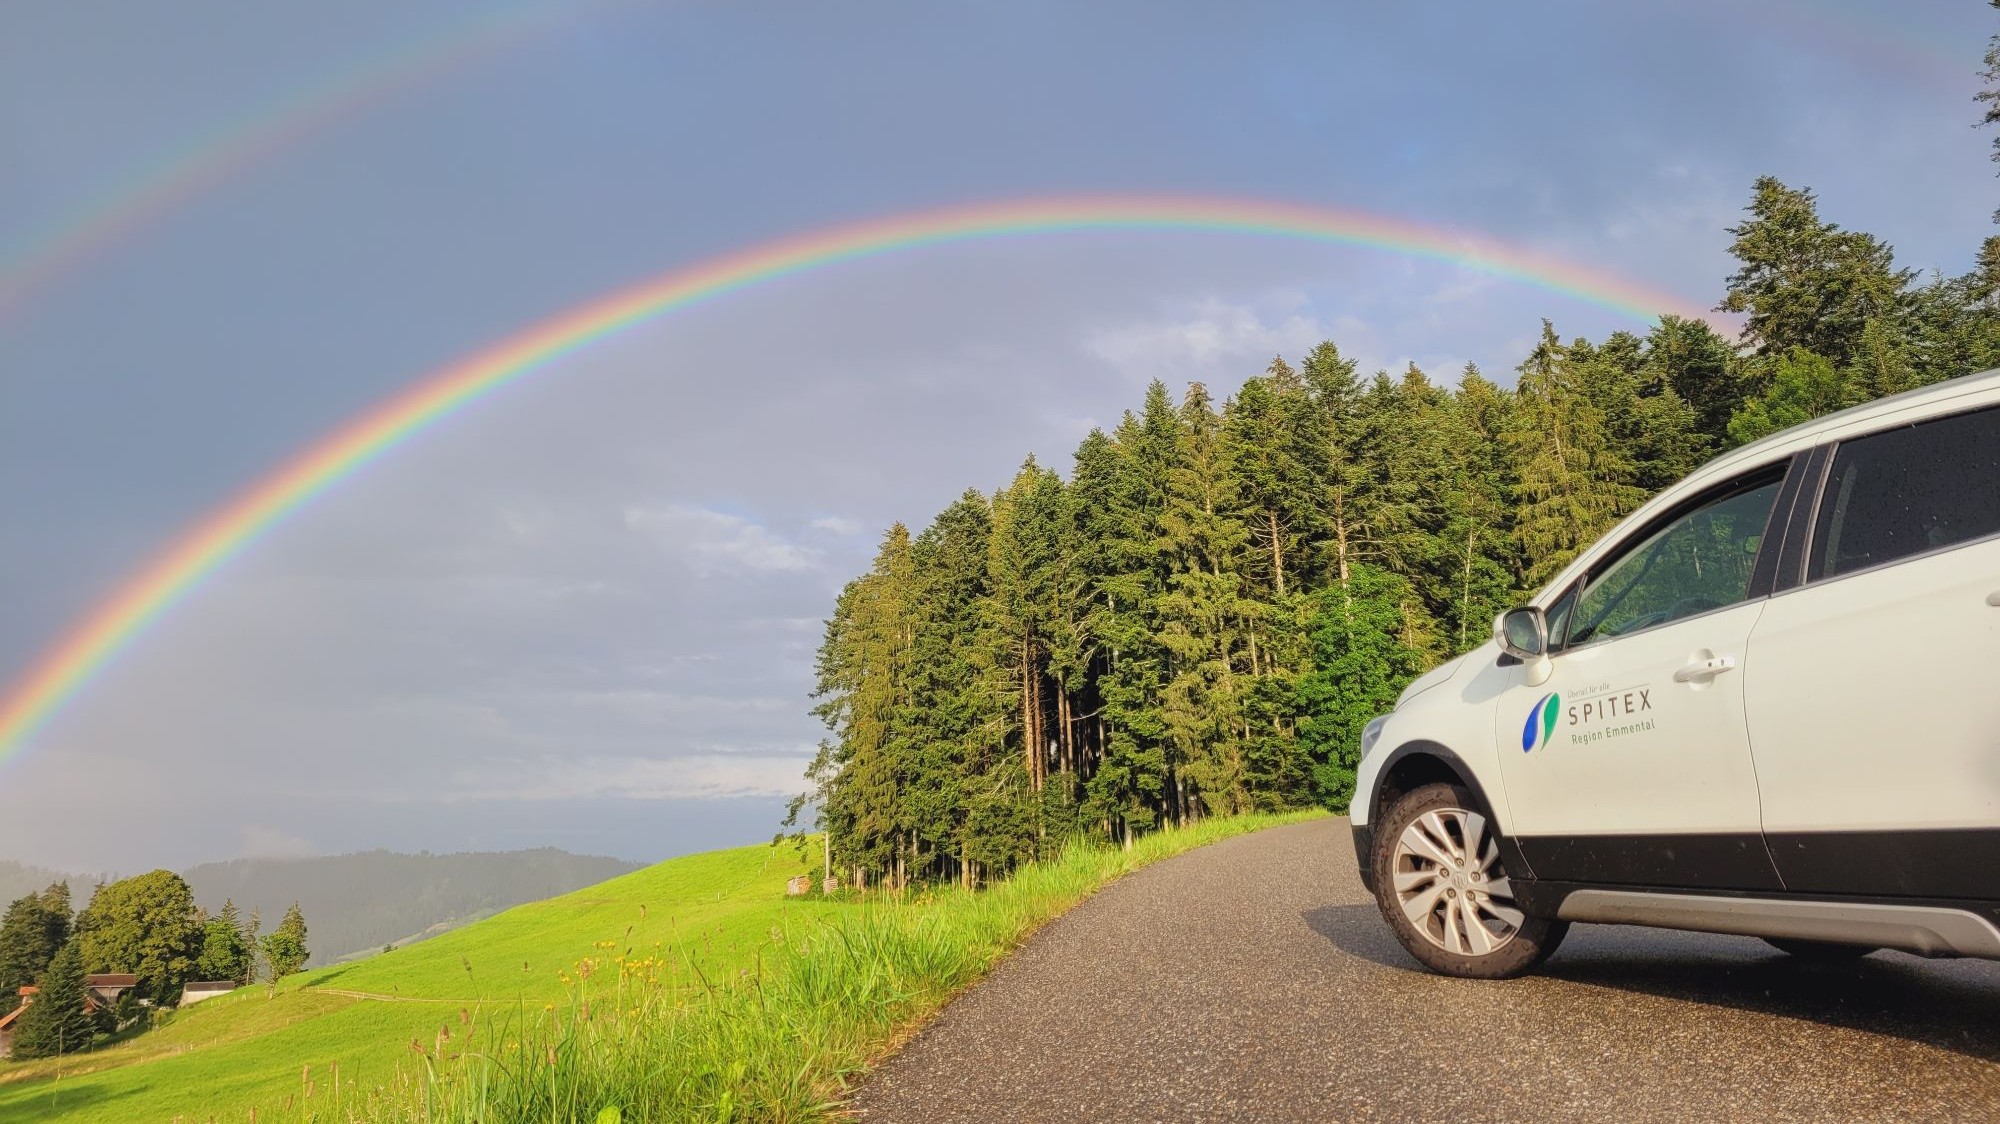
x: 836, y: 525
x: 1213, y: 335
x: 715, y: 773
x: 716, y: 543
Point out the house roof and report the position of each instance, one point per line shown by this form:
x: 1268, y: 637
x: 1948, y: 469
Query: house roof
x: 111, y: 979
x: 212, y: 985
x: 7, y: 1019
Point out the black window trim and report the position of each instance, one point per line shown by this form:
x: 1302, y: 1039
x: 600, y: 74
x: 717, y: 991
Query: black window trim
x: 1802, y: 494
x: 1784, y: 470
x: 1805, y: 528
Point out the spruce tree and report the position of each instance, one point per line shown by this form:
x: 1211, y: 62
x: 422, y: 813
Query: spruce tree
x: 1574, y: 481
x: 958, y: 698
x: 1359, y: 665
x: 34, y: 928
x: 58, y: 1021
x: 1804, y: 386
x: 1805, y: 282
x: 285, y: 949
x: 863, y: 698
x: 1481, y: 574
x: 1201, y: 611
x: 1700, y: 367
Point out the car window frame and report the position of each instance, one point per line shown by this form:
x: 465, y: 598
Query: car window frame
x: 1780, y: 472
x: 1811, y: 529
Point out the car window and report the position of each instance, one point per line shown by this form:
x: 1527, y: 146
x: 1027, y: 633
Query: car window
x: 1890, y: 495
x: 1693, y: 562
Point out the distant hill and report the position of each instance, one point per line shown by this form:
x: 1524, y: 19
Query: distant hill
x: 20, y: 879
x: 359, y: 903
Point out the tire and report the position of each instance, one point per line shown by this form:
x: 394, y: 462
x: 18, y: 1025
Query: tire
x: 1819, y: 952
x: 1455, y: 913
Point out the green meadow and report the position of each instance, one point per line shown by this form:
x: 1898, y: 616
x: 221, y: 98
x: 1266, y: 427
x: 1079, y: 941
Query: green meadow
x: 691, y: 989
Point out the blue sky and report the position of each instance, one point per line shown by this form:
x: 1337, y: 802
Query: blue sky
x: 582, y: 613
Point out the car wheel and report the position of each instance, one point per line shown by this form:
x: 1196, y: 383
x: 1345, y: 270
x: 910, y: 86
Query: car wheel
x: 1819, y: 952
x: 1442, y: 889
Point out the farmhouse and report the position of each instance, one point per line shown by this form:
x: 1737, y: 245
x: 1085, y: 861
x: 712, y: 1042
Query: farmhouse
x: 101, y: 992
x: 207, y: 989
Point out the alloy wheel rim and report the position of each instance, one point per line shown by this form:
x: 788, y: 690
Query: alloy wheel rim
x: 1450, y: 884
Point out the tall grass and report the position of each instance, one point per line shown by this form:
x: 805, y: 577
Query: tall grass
x: 645, y: 1035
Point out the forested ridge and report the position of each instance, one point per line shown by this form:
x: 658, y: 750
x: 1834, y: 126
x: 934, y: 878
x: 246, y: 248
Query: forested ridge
x: 1202, y: 614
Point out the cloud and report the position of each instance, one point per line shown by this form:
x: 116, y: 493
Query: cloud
x: 836, y: 525
x: 717, y: 773
x: 271, y: 843
x: 718, y: 544
x: 1212, y: 334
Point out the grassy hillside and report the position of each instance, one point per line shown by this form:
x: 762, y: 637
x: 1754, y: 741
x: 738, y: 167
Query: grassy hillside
x: 222, y: 1057
x: 357, y: 903
x: 691, y: 987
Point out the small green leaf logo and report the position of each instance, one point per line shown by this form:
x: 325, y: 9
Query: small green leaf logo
x: 1541, y: 721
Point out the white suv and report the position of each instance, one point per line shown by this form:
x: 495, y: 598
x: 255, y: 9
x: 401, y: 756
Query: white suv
x: 1768, y: 703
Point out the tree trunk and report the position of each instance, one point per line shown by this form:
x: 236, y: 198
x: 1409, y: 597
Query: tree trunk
x: 1028, y: 713
x: 1068, y: 733
x: 1340, y: 552
x: 1277, y: 554
x: 1465, y: 599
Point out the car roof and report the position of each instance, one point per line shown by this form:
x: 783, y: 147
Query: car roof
x: 1914, y: 403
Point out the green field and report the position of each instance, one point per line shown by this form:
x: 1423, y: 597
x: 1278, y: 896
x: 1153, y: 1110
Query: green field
x: 247, y: 1049
x: 697, y: 956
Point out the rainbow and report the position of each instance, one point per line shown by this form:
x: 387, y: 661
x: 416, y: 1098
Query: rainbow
x: 60, y: 672
x: 225, y: 152
x: 214, y: 158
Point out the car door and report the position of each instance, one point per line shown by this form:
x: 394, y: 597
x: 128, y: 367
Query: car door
x: 1872, y: 702
x: 1631, y: 763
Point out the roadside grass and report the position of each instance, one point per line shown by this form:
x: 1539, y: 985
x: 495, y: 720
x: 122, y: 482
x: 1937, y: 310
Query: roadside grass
x: 642, y: 1035
x: 688, y: 990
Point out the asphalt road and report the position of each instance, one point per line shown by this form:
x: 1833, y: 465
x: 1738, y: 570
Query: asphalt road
x: 1253, y: 979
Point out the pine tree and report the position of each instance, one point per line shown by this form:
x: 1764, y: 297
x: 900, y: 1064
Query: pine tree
x: 224, y: 955
x: 58, y: 1021
x: 1990, y: 96
x: 1200, y: 617
x: 1575, y: 483
x: 863, y: 698
x: 1700, y: 367
x: 1359, y: 666
x: 285, y: 949
x: 959, y: 712
x: 35, y: 927
x: 1804, y: 282
x: 1483, y: 569
x: 1275, y: 448
x: 1804, y: 386
x: 1129, y: 789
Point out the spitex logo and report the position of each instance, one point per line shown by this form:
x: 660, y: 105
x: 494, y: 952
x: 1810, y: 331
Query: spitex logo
x: 1541, y: 720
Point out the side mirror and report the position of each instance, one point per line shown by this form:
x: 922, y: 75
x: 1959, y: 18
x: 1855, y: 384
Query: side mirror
x: 1522, y: 633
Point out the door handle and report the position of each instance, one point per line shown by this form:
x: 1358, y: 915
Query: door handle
x: 1993, y: 599
x: 1705, y: 670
